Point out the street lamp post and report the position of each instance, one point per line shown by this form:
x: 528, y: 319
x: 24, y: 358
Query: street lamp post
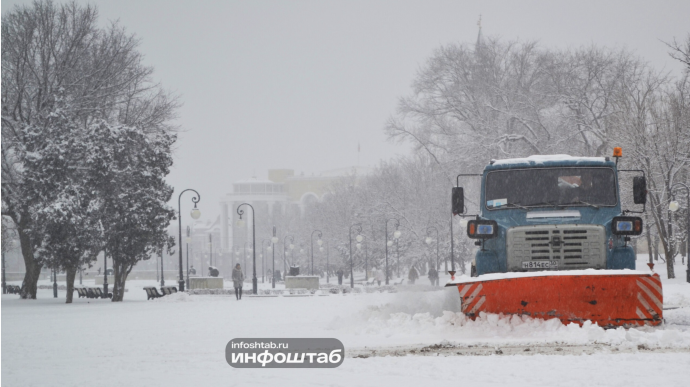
x: 352, y: 259
x: 4, y: 282
x: 312, y: 248
x: 396, y: 236
x: 55, y: 283
x: 327, y: 263
x: 263, y: 261
x: 285, y: 247
x: 452, y: 253
x: 189, y: 239
x: 389, y: 243
x: 674, y: 206
x: 254, y: 280
x: 360, y: 238
x: 105, y: 273
x: 274, y: 240
x: 429, y: 240
x: 195, y: 215
x: 162, y: 275
x: 210, y: 249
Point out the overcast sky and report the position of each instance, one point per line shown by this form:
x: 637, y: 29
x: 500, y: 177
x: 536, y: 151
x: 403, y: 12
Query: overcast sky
x: 297, y: 84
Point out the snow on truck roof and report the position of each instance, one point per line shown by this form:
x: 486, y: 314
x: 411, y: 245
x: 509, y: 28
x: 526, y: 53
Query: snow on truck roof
x: 548, y: 159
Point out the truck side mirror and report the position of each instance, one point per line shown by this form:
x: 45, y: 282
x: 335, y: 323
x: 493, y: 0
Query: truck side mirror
x: 640, y: 190
x: 458, y: 201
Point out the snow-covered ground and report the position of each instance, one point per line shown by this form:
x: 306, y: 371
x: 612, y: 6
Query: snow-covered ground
x: 411, y: 337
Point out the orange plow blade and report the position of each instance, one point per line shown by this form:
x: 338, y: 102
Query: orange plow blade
x: 605, y: 299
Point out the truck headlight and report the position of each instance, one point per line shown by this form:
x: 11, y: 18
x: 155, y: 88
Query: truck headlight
x: 626, y: 225
x: 482, y: 229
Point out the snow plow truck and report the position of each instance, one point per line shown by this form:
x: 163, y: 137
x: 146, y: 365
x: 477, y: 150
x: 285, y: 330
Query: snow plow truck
x: 553, y: 242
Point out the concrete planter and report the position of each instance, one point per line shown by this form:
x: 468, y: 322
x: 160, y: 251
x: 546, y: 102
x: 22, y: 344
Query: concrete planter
x: 205, y: 283
x: 302, y: 282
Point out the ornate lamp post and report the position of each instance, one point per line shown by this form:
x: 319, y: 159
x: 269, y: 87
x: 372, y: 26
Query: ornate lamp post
x: 674, y: 206
x: 195, y: 215
x: 210, y: 249
x: 254, y: 279
x: 352, y: 259
x: 389, y: 243
x: 429, y: 240
x: 189, y: 239
x: 285, y: 252
x: 327, y: 268
x: 272, y: 250
x: 319, y: 242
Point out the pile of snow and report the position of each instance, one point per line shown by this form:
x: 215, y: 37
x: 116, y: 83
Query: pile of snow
x: 175, y: 297
x: 424, y: 316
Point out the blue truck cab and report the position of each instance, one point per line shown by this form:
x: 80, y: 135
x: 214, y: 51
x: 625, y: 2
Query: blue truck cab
x: 551, y: 213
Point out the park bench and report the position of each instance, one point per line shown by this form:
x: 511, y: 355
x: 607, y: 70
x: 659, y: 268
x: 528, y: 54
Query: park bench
x: 167, y: 290
x: 371, y: 281
x: 81, y: 292
x: 96, y: 293
x: 152, y: 292
x: 13, y: 289
x: 400, y: 282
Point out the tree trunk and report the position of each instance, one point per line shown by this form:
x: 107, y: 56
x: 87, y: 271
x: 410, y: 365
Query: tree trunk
x: 655, y: 246
x: 70, y: 274
x: 120, y: 273
x: 33, y: 268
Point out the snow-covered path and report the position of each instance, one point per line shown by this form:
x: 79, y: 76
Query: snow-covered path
x: 181, y: 339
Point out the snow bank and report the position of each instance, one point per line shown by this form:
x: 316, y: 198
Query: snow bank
x: 424, y: 317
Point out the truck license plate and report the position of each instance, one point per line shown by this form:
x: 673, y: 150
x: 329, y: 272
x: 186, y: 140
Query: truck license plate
x: 540, y: 264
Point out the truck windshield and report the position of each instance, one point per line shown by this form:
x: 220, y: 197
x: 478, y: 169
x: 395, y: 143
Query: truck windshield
x: 551, y: 187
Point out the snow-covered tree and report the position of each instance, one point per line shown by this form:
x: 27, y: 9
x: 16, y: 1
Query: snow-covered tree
x: 129, y: 166
x: 57, y: 62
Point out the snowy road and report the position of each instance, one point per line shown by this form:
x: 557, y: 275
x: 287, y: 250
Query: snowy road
x: 180, y: 340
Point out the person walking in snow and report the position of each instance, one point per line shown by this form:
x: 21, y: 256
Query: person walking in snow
x: 433, y: 276
x: 238, y: 280
x: 379, y: 276
x: 412, y: 275
x: 340, y: 273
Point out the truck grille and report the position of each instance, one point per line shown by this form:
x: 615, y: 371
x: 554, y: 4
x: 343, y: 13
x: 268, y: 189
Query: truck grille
x: 572, y: 246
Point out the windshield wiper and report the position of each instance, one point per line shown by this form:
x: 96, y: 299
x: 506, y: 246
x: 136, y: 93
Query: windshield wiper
x: 517, y: 205
x: 558, y: 206
x: 585, y: 203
